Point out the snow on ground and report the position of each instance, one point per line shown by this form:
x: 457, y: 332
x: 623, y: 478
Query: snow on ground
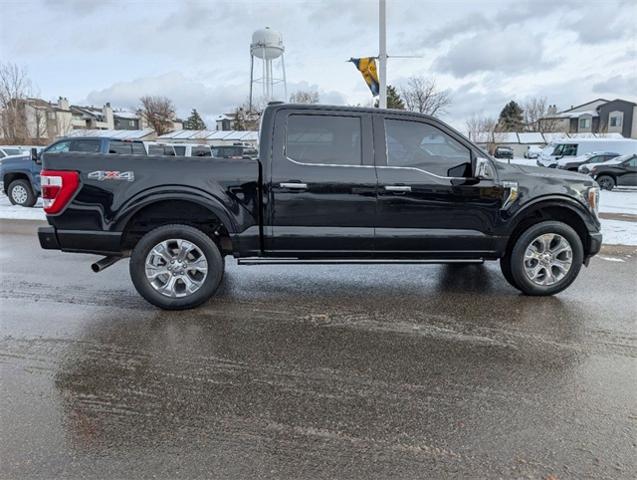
x: 616, y: 232
x: 619, y: 200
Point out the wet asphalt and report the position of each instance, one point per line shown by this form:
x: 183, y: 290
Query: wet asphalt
x: 315, y: 372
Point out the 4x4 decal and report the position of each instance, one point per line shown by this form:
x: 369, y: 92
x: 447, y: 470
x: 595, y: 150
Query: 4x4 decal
x: 101, y: 175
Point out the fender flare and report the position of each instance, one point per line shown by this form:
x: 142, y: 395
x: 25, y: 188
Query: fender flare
x: 554, y: 201
x: 152, y: 196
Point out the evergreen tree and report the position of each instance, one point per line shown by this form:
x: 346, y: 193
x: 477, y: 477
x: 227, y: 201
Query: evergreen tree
x: 194, y: 121
x: 393, y: 99
x: 511, y: 118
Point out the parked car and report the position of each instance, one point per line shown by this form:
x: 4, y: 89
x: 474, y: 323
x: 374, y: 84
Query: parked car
x: 533, y: 152
x: 573, y: 164
x: 503, y: 152
x: 11, y: 151
x: 21, y: 174
x: 332, y: 185
x: 620, y: 171
x: 192, y: 150
x: 570, y: 148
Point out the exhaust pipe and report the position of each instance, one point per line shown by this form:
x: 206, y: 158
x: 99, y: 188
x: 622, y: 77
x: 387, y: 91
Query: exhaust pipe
x: 104, y: 263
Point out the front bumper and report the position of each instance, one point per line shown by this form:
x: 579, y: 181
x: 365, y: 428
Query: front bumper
x: 594, y: 246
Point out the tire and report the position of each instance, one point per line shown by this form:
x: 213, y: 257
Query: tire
x: 606, y: 182
x: 21, y: 193
x: 505, y: 267
x: 543, y: 261
x: 174, y: 284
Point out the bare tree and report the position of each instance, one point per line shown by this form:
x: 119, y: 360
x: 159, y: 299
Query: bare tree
x: 422, y: 95
x: 15, y: 89
x: 158, y: 112
x: 537, y: 115
x: 303, y: 96
x: 482, y: 129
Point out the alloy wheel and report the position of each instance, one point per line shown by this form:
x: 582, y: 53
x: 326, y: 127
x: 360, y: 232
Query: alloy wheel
x: 176, y: 268
x: 548, y: 259
x: 19, y: 194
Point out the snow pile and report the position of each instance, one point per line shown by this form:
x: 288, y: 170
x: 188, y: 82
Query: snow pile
x: 15, y: 212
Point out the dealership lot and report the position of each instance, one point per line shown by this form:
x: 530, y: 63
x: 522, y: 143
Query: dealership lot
x: 349, y: 372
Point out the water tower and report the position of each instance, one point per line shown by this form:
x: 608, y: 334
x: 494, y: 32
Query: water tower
x: 267, y: 46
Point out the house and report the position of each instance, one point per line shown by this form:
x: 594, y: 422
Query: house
x: 595, y: 117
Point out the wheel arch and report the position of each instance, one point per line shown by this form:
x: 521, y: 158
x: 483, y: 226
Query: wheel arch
x: 12, y: 177
x: 569, y: 212
x: 200, y: 212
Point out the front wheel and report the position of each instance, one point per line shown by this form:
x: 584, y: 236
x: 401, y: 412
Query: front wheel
x: 176, y: 267
x: 546, y: 258
x: 21, y: 193
x: 606, y: 182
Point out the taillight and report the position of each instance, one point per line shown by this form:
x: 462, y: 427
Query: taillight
x: 58, y: 187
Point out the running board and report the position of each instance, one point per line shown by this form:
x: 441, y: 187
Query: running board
x: 348, y: 261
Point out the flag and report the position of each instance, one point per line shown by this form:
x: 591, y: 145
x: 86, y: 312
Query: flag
x: 367, y: 67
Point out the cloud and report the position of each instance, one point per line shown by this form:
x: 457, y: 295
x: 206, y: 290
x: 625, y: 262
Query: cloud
x: 468, y: 24
x: 619, y: 85
x: 507, y: 51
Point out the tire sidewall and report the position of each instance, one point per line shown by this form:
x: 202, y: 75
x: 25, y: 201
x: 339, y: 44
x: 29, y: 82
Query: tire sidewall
x: 611, y: 183
x: 201, y: 240
x: 31, y: 199
x: 517, y: 258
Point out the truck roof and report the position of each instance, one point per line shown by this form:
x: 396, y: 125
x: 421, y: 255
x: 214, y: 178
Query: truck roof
x: 344, y: 108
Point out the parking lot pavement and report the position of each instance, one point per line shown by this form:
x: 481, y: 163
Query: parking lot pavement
x: 315, y: 372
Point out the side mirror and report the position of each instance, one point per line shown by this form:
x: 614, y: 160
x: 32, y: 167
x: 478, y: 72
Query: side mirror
x: 35, y: 156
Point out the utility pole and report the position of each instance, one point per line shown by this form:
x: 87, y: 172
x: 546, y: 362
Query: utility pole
x: 382, y: 54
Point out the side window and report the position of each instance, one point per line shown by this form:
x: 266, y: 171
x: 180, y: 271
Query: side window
x: 423, y: 146
x: 138, y: 148
x: 201, y: 152
x: 180, y: 150
x: 324, y: 139
x: 88, y: 146
x: 155, y: 150
x: 2, y: 155
x: 558, y: 150
x: 60, y: 147
x: 119, y: 147
x: 632, y: 162
x: 570, y: 150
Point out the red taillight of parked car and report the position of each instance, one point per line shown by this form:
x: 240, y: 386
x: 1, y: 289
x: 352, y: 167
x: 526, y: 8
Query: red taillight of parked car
x: 58, y: 188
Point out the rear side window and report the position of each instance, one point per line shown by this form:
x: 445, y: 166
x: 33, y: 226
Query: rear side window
x: 324, y: 139
x: 115, y: 146
x: 155, y: 150
x: 201, y: 152
x: 180, y: 150
x: 60, y: 147
x: 126, y: 148
x: 138, y: 148
x: 87, y: 146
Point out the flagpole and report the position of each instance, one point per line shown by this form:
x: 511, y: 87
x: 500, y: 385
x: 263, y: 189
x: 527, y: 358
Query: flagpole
x: 382, y: 54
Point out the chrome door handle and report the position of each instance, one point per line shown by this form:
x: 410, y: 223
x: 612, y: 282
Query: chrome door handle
x: 294, y: 185
x: 398, y: 188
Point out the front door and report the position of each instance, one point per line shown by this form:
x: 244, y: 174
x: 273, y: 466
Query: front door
x: 428, y: 206
x: 629, y: 176
x: 323, y: 185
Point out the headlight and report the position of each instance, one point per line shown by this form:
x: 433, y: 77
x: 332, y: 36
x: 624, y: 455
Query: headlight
x: 592, y: 198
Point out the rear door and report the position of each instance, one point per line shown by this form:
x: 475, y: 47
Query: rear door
x: 322, y: 185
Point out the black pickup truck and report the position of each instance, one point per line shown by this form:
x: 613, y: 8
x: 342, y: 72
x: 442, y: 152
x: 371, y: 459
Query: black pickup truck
x: 331, y: 185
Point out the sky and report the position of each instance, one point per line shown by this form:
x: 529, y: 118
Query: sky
x: 197, y: 53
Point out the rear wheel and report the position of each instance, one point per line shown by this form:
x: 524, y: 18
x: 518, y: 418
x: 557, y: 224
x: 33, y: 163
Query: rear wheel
x: 176, y: 267
x: 546, y: 258
x: 21, y: 193
x: 606, y: 182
